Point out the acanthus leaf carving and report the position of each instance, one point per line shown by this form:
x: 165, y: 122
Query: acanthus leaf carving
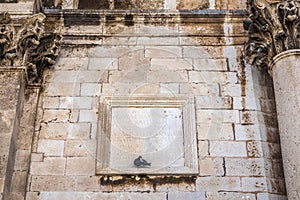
x: 23, y: 42
x: 272, y: 28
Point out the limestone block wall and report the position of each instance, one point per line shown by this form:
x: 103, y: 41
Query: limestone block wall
x: 142, y: 54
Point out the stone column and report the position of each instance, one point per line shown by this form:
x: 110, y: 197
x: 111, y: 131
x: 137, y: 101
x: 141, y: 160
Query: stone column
x: 12, y: 81
x: 285, y: 70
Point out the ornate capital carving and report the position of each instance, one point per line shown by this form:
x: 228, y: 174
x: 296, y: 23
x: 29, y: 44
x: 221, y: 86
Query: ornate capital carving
x: 272, y: 28
x: 23, y: 42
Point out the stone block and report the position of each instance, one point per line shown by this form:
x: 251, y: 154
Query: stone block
x: 203, y: 148
x: 58, y: 131
x: 271, y: 150
x: 53, y: 183
x: 165, y: 76
x: 214, y: 117
x: 247, y: 132
x: 147, y: 88
x: 209, y: 102
x: 79, y: 77
x: 254, y: 149
x: 249, y: 117
x: 37, y: 157
x: 56, y: 116
x: 51, y: 147
x: 50, y: 166
x: 227, y: 149
x: 202, y: 52
x: 103, y: 64
x: 22, y: 160
x: 230, y: 5
x: 110, y: 51
x: 87, y: 184
x: 163, y: 52
x: 135, y: 75
x: 215, y: 131
x: 133, y: 60
x: 51, y: 102
x: 76, y: 102
x: 176, y: 187
x: 169, y: 88
x: 120, y: 88
x: 75, y: 166
x: 244, y: 166
x: 32, y: 195
x: 264, y: 196
x: 74, y: 115
x: 200, y: 89
x: 80, y: 148
x: 90, y: 89
x: 233, y: 90
x: 18, y: 184
x: 230, y: 196
x: 201, y: 40
x: 211, y: 166
x: 210, y: 64
x: 254, y: 184
x: 171, y: 64
x: 62, y: 89
x: 267, y: 105
x: 88, y: 116
x: 278, y: 186
x: 106, y: 196
x: 233, y: 64
x: 214, y: 184
x: 64, y: 195
x: 116, y: 41
x: 245, y: 103
x: 157, y: 41
x: 211, y: 77
x: 186, y: 195
x: 64, y: 63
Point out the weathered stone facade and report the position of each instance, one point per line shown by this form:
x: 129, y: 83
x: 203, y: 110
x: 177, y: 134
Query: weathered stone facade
x: 183, y: 58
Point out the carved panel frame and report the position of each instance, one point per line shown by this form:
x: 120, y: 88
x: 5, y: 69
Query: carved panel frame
x: 104, y: 145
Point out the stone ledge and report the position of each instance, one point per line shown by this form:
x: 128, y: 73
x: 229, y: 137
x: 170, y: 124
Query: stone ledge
x: 149, y: 16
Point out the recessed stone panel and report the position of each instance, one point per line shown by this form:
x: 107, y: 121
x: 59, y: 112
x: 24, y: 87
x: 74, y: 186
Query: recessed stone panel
x: 159, y: 129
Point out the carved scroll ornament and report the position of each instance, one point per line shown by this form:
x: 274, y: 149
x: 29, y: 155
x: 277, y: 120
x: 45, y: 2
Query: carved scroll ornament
x: 272, y: 29
x: 23, y: 42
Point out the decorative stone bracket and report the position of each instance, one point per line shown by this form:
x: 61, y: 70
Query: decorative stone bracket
x: 23, y: 42
x: 272, y: 28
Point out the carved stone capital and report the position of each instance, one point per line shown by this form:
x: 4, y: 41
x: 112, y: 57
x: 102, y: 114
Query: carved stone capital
x: 272, y: 28
x: 23, y: 42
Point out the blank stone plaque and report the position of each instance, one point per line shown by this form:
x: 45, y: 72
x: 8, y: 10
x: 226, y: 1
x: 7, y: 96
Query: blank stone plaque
x: 160, y: 129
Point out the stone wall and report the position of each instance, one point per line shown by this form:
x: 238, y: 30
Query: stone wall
x: 162, y: 54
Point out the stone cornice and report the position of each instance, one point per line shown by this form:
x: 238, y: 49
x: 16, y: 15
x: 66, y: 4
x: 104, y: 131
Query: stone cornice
x: 145, y: 16
x: 23, y: 42
x: 272, y: 28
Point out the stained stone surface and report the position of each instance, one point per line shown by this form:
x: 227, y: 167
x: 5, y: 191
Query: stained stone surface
x: 154, y: 133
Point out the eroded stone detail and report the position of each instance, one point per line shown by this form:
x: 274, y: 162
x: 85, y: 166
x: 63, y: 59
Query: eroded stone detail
x: 272, y: 29
x: 23, y: 42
